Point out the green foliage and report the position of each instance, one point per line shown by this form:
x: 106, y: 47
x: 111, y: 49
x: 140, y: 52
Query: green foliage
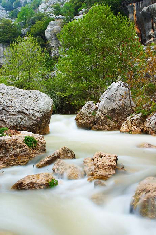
x: 25, y: 15
x: 35, y: 4
x: 17, y: 4
x: 2, y: 130
x: 30, y: 141
x: 95, y: 51
x: 13, y: 14
x: 8, y: 5
x: 24, y: 65
x: 57, y: 9
x: 68, y: 11
x: 8, y: 31
x: 53, y: 183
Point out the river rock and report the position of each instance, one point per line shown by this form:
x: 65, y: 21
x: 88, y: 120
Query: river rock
x: 13, y: 150
x: 71, y: 171
x: 100, y: 166
x: 144, y: 199
x: 86, y: 116
x: 62, y: 153
x: 146, y: 145
x: 28, y: 110
x: 99, y: 183
x: 38, y: 181
x: 134, y: 124
x: 150, y: 124
x: 115, y: 106
x: 51, y: 32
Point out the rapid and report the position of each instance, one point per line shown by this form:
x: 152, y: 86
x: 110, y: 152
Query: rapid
x: 73, y: 207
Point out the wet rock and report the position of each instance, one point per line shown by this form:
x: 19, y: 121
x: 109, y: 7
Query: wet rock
x: 134, y: 124
x: 13, y: 150
x: 63, y: 169
x: 144, y: 201
x: 38, y: 181
x: 150, y: 124
x: 62, y: 153
x: 98, y: 183
x: 115, y: 106
x: 100, y: 166
x: 6, y: 233
x: 146, y: 145
x: 28, y: 110
x: 98, y: 198
x: 86, y: 116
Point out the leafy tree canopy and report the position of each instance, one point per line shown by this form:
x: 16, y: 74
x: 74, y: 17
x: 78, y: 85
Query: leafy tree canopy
x: 95, y: 51
x: 25, y: 15
x: 8, y: 31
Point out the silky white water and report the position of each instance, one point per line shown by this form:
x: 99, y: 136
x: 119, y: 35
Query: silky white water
x: 69, y: 209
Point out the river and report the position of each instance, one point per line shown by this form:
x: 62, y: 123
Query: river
x: 71, y: 208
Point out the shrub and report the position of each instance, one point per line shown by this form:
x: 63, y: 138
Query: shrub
x: 30, y: 141
x: 53, y: 183
x: 2, y: 130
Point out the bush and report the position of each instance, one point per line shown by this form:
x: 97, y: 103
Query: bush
x: 2, y: 130
x: 53, y: 183
x: 30, y: 141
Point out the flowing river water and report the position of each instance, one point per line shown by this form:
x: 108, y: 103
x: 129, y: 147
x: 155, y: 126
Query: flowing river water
x: 72, y: 208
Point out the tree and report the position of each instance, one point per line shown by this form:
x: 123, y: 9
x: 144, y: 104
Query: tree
x: 24, y: 64
x: 8, y: 31
x: 95, y: 51
x: 25, y: 15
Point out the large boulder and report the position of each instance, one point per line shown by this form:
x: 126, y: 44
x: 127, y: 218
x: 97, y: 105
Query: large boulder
x: 14, y: 151
x: 134, y: 124
x: 70, y: 171
x: 28, y: 110
x: 115, y: 106
x: 101, y: 166
x: 144, y: 201
x: 150, y: 124
x: 38, y: 181
x: 51, y: 32
x: 62, y: 153
x: 86, y: 116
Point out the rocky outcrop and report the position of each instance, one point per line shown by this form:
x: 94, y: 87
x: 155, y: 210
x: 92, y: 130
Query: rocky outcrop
x: 47, y: 6
x: 114, y: 107
x: 28, y: 110
x: 143, y: 13
x: 100, y: 166
x: 51, y: 32
x: 62, y: 153
x: 13, y: 150
x: 134, y: 124
x: 86, y: 116
x: 70, y: 171
x: 38, y: 181
x: 2, y: 50
x: 3, y: 13
x: 144, y: 201
x: 150, y: 124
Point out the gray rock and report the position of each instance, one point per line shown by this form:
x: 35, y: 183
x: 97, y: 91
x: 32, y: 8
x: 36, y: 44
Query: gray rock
x: 51, y: 32
x: 3, y: 13
x: 2, y: 50
x: 25, y: 109
x: 115, y: 106
x: 150, y: 124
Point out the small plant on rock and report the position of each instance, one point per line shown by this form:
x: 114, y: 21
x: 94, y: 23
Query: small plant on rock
x: 53, y: 183
x: 2, y: 131
x: 30, y: 141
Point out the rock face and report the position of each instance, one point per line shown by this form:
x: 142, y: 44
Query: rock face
x: 3, y: 13
x: 51, y: 32
x: 100, y: 166
x: 62, y: 153
x: 2, y: 50
x: 28, y: 110
x: 134, y: 124
x: 13, y: 150
x: 143, y: 13
x: 63, y: 169
x: 144, y: 199
x: 150, y: 124
x: 38, y: 181
x: 114, y: 107
x: 86, y: 116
